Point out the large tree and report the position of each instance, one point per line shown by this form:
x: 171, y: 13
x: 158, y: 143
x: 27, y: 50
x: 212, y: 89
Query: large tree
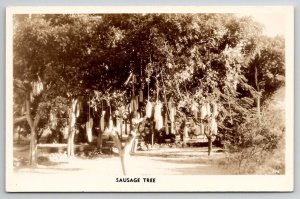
x: 31, y: 58
x: 211, y: 57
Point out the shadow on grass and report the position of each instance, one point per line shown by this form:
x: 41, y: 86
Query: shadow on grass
x: 186, y: 161
x: 44, y: 165
x: 45, y: 170
x: 42, y: 160
x: 195, y: 166
x: 21, y: 149
x: 201, y: 170
x: 172, y: 154
x: 45, y: 161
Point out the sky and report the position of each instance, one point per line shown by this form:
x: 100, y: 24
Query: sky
x: 274, y: 24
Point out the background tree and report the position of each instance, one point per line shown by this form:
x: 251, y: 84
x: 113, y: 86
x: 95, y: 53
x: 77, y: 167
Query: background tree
x: 30, y: 60
x: 267, y: 69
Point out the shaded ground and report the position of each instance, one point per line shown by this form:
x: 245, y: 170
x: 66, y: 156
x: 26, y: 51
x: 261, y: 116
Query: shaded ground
x: 162, y: 161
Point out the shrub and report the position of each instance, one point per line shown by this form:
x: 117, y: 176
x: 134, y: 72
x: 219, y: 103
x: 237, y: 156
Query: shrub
x: 259, y: 146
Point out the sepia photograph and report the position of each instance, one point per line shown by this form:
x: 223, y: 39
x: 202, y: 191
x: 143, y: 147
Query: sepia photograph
x: 131, y: 99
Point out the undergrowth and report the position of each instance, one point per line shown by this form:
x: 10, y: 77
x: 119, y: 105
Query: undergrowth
x: 259, y: 147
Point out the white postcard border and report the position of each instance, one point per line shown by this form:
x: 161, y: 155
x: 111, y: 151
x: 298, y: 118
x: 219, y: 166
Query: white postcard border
x: 16, y: 183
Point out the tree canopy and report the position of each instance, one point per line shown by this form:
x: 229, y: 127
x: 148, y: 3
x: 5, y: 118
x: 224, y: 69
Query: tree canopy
x: 193, y: 58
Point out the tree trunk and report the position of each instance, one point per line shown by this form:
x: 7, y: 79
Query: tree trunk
x: 124, y: 151
x: 33, y: 125
x: 258, y: 97
x: 99, y: 141
x: 33, y: 141
x: 208, y: 134
x: 33, y: 148
x: 258, y: 109
x: 39, y: 135
x: 70, y: 147
x: 126, y: 127
x: 185, y: 136
x: 152, y: 132
x: 19, y: 137
x: 209, y: 138
x: 122, y: 158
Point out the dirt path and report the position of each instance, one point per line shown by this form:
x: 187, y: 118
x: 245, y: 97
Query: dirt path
x: 167, y: 161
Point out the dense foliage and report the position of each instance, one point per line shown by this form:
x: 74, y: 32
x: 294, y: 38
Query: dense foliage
x: 193, y: 58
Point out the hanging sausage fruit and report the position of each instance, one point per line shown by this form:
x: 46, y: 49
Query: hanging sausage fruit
x: 202, y: 128
x: 89, y: 125
x: 141, y: 96
x: 214, y: 127
x: 148, y: 109
x: 208, y: 109
x: 166, y: 124
x: 89, y: 131
x: 214, y: 110
x: 136, y: 103
x: 91, y: 122
x: 78, y: 108
x: 194, y: 109
x: 158, y: 116
x: 172, y: 119
x: 131, y: 106
x: 65, y: 132
x: 102, y: 121
x: 51, y: 116
x: 53, y: 120
x: 203, y: 111
x: 73, y: 114
x: 37, y: 87
x: 157, y: 110
x: 172, y: 112
x: 74, y: 103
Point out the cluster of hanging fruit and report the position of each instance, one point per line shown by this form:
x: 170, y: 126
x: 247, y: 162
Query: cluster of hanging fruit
x: 53, y: 119
x: 155, y: 109
x: 37, y: 88
x: 75, y: 111
x: 76, y: 108
x: 208, y: 114
x: 163, y: 113
x: 89, y: 123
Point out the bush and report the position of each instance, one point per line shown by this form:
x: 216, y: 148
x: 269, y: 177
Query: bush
x: 258, y: 147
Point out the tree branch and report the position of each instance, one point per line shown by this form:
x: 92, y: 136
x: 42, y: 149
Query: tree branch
x: 19, y: 84
x: 36, y: 119
x: 28, y: 115
x: 20, y: 119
